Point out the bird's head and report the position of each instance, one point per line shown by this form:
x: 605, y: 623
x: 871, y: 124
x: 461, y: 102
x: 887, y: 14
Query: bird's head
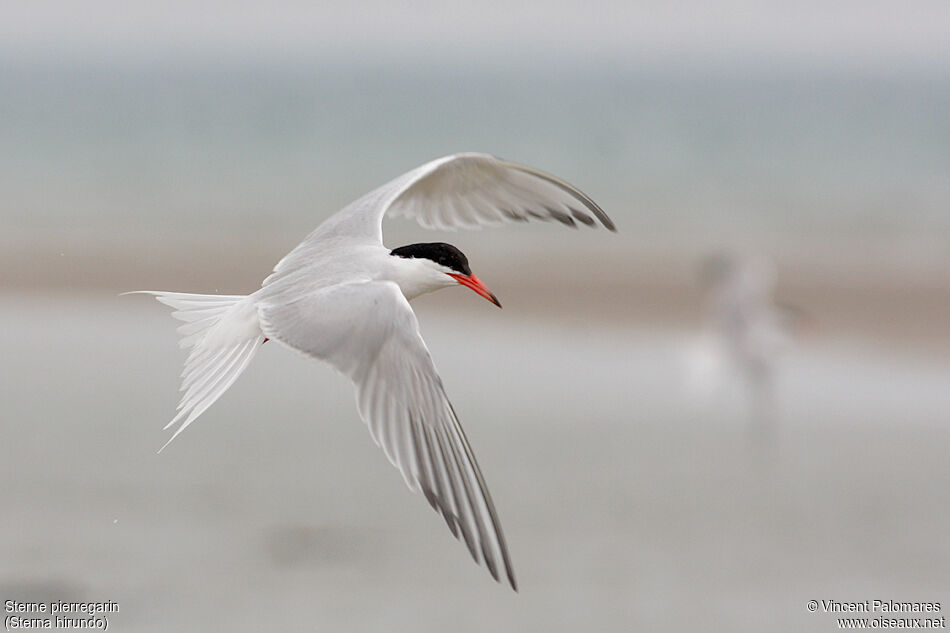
x: 438, y: 265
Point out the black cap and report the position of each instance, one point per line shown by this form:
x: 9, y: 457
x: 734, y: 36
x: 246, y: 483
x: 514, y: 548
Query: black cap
x: 439, y: 252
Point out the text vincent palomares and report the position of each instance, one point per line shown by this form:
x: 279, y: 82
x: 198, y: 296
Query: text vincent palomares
x: 879, y: 606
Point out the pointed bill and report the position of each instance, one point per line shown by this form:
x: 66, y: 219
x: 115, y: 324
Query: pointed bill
x: 473, y: 282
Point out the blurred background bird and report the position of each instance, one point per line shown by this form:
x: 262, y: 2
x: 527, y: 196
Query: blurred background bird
x: 745, y: 329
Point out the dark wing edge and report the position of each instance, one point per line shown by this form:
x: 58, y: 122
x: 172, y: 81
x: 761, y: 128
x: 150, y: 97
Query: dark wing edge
x: 576, y: 193
x: 473, y: 190
x: 422, y: 436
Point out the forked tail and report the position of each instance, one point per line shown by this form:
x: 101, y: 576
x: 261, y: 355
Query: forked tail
x: 223, y: 332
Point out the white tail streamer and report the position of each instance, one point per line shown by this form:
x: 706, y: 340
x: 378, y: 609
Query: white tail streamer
x: 223, y: 332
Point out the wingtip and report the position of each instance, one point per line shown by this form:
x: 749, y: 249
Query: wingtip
x: 511, y: 580
x: 586, y: 200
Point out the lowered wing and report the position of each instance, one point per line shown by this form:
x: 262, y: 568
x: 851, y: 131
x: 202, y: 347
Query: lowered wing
x: 368, y: 331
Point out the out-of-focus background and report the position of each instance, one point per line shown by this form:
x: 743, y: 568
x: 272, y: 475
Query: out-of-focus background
x: 736, y: 404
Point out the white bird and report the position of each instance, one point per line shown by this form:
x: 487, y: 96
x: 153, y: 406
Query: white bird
x: 751, y: 330
x: 342, y: 297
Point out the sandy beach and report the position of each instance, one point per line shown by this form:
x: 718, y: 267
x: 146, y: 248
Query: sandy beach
x: 887, y: 295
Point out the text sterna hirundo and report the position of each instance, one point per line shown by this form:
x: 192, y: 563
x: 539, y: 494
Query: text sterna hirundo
x: 342, y: 297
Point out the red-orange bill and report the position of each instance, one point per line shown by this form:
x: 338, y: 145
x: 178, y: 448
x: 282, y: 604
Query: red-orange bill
x: 473, y: 282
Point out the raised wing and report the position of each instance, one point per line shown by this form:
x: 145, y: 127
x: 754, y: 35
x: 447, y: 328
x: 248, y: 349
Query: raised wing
x: 462, y: 190
x: 368, y: 331
x: 475, y: 190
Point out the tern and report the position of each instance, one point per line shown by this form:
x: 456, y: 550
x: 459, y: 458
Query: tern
x: 751, y: 329
x: 342, y: 297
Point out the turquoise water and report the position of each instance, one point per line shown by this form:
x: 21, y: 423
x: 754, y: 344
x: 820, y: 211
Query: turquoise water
x: 672, y: 151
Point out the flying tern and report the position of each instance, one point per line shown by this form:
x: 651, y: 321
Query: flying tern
x: 342, y: 297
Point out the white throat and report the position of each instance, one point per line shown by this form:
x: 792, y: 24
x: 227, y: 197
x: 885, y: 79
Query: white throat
x: 417, y: 276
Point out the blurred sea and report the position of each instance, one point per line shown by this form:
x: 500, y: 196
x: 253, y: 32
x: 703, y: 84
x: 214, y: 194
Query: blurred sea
x: 629, y: 504
x: 211, y: 148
